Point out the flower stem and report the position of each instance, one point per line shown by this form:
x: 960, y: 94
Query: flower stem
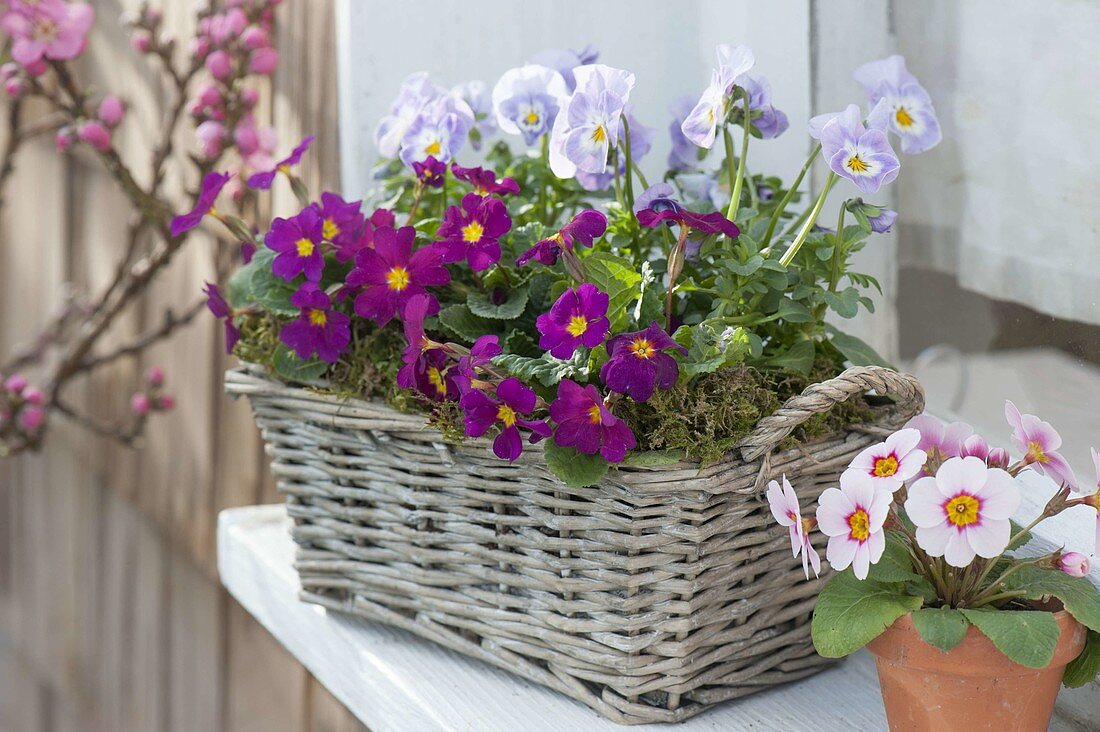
x: 675, y: 264
x: 998, y: 597
x: 790, y: 194
x: 735, y: 194
x: 543, y: 209
x: 838, y: 251
x: 629, y: 165
x: 788, y: 256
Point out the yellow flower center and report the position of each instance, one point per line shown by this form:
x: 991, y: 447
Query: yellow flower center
x: 962, y: 510
x: 506, y: 414
x: 578, y: 324
x: 594, y: 415
x: 284, y: 169
x: 885, y: 466
x: 397, y: 279
x: 330, y: 230
x: 856, y: 164
x: 904, y: 119
x: 472, y: 232
x: 532, y: 118
x: 318, y: 317
x: 435, y: 378
x: 305, y: 247
x: 859, y: 525
x: 1036, y: 454
x: 599, y: 134
x: 642, y: 348
x: 433, y: 148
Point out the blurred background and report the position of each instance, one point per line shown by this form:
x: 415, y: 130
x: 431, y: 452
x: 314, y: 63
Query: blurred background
x: 111, y: 614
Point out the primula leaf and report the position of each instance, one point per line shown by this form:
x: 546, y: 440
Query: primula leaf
x: 292, y: 368
x: 1086, y: 666
x: 850, y: 613
x: 799, y: 357
x: 1020, y: 542
x: 459, y: 320
x: 620, y: 280
x: 941, y: 627
x: 574, y: 468
x: 1080, y: 597
x: 1027, y: 637
x: 256, y: 284
x: 856, y: 351
x: 515, y: 300
x: 895, y: 565
x: 546, y: 369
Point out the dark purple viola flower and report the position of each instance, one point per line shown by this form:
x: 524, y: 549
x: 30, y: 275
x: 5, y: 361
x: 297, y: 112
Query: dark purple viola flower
x: 318, y: 328
x: 221, y: 310
x: 884, y: 221
x: 392, y: 273
x: 212, y: 184
x: 264, y: 179
x: 513, y: 400
x: 247, y: 250
x: 430, y: 172
x: 341, y: 221
x: 585, y: 423
x: 481, y: 353
x: 364, y: 238
x: 485, y: 181
x: 578, y: 318
x: 658, y: 197
x: 298, y: 243
x: 582, y: 230
x: 638, y: 363
x: 472, y: 232
x: 710, y: 223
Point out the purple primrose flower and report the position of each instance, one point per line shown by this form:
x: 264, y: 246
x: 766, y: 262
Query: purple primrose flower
x: 638, y: 363
x: 582, y: 230
x: 513, y: 400
x: 585, y: 423
x: 212, y: 184
x: 472, y: 231
x: 265, y: 178
x: 665, y: 209
x: 578, y: 318
x: 485, y: 181
x: 341, y: 221
x: 391, y: 273
x: 906, y: 106
x: 430, y: 172
x: 220, y: 308
x: 318, y: 328
x: 298, y: 243
x: 481, y: 354
x: 426, y: 366
x: 527, y: 101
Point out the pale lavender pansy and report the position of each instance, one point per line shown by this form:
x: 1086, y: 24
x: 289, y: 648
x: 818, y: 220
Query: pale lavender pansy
x: 771, y: 122
x: 526, y: 101
x: 564, y: 60
x: 589, y: 126
x: 684, y: 155
x: 476, y: 95
x: 861, y: 155
x: 701, y: 124
x: 641, y: 141
x: 415, y: 93
x: 439, y: 130
x: 908, y: 109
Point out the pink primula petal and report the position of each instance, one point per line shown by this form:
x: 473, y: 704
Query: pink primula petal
x: 989, y: 537
x: 841, y: 551
x: 925, y: 503
x: 861, y: 562
x: 911, y: 464
x: 879, y: 510
x: 903, y: 441
x: 832, y: 510
x: 815, y: 560
x: 961, y: 474
x: 1059, y: 470
x: 1000, y: 496
x: 859, y: 487
x: 958, y: 552
x: 934, y: 539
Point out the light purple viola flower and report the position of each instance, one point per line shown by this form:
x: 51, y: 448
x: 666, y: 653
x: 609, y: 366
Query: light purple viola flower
x: 861, y: 155
x: 564, y: 60
x: 882, y: 223
x: 439, y: 130
x: 476, y: 96
x: 581, y: 230
x: 908, y: 109
x: 771, y: 122
x: 472, y: 231
x: 416, y: 92
x: 704, y: 188
x: 318, y: 328
x: 589, y: 126
x: 638, y: 363
x: 578, y: 318
x: 212, y: 184
x: 937, y: 440
x: 684, y: 155
x: 297, y: 242
x: 1039, y: 442
x: 513, y: 400
x: 526, y: 101
x: 641, y: 142
x: 586, y: 424
x: 265, y: 178
x: 701, y: 124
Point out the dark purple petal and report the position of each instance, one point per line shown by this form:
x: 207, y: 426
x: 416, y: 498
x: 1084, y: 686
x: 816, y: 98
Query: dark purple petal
x: 508, y: 445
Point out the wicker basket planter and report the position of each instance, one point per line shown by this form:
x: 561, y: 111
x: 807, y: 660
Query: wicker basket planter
x: 649, y: 597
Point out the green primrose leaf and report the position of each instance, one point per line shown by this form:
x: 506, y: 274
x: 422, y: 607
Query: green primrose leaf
x: 799, y: 358
x: 941, y: 627
x: 462, y: 322
x: 545, y: 369
x: 1028, y: 637
x: 292, y: 368
x: 621, y: 281
x: 1079, y: 596
x: 850, y: 613
x: 256, y: 284
x: 1086, y: 666
x: 510, y: 308
x: 574, y: 468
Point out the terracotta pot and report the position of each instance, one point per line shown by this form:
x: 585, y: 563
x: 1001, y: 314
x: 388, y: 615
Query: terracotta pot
x: 973, y: 686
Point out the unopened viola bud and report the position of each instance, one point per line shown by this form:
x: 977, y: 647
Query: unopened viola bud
x: 96, y: 134
x: 31, y: 395
x: 263, y: 60
x: 31, y: 418
x: 141, y: 41
x: 219, y: 65
x: 111, y: 110
x: 16, y: 383
x: 154, y: 376
x: 1075, y: 564
x: 139, y: 404
x: 166, y: 402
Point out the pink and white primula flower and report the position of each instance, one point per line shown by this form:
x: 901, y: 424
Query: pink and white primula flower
x: 1039, y: 442
x: 893, y: 462
x: 853, y: 516
x: 784, y: 506
x: 939, y: 441
x: 963, y: 511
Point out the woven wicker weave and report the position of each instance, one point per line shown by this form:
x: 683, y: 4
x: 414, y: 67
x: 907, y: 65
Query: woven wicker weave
x: 648, y: 597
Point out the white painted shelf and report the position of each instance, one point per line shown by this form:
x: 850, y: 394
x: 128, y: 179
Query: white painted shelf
x: 394, y: 681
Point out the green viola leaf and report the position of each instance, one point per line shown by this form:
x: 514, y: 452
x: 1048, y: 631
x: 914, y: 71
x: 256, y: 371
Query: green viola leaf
x: 712, y: 346
x: 1027, y: 637
x: 1086, y: 666
x: 941, y: 627
x: 510, y: 308
x: 574, y: 468
x: 545, y: 369
x: 747, y: 268
x: 461, y: 321
x: 850, y: 613
x: 794, y: 311
x: 653, y: 458
x: 292, y: 368
x: 844, y: 303
x: 799, y: 358
x: 620, y: 280
x: 855, y: 350
x: 895, y: 565
x: 1079, y: 596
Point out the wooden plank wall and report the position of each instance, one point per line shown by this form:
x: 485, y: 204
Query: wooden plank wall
x: 111, y: 615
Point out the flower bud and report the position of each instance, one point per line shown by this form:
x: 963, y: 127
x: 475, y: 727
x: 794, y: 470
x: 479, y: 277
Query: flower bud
x: 250, y: 97
x: 1075, y: 564
x: 263, y: 60
x: 141, y: 41
x: 166, y: 402
x: 31, y: 418
x: 154, y: 376
x: 64, y: 139
x: 209, y: 95
x: 16, y: 383
x: 36, y: 68
x: 111, y: 110
x: 9, y: 70
x: 31, y: 395
x: 254, y: 37
x: 95, y: 133
x: 211, y: 137
x: 200, y: 47
x: 219, y: 65
x: 139, y: 404
x: 14, y: 88
x: 998, y: 458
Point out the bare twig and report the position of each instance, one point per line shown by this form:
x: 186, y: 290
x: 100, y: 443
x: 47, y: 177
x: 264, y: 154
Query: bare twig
x: 169, y: 325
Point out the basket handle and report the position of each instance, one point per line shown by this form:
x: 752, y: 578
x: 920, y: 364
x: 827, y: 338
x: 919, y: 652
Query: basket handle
x: 821, y: 397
